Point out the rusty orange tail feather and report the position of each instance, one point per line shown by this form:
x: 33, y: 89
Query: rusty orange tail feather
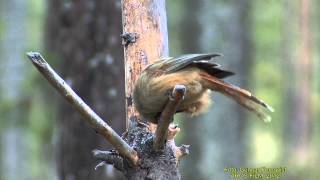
x: 241, y: 96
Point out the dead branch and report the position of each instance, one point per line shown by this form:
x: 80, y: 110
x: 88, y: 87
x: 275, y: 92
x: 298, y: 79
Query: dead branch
x: 179, y: 151
x: 108, y: 157
x: 166, y: 116
x: 89, y: 115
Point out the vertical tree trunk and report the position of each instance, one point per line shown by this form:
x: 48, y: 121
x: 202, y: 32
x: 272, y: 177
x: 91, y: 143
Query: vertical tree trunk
x: 289, y: 22
x: 147, y: 22
x: 300, y: 125
x: 223, y: 143
x: 85, y: 35
x: 190, y: 37
x: 145, y: 40
x: 12, y: 69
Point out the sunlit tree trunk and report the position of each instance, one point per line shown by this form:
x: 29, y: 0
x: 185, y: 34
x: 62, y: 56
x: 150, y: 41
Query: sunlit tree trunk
x: 301, y: 107
x: 85, y: 36
x: 287, y: 44
x: 297, y: 87
x: 148, y: 24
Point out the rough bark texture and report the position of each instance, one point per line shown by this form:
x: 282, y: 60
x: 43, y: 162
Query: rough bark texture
x: 148, y: 22
x: 85, y: 36
x: 95, y: 121
x: 153, y: 165
x: 158, y: 161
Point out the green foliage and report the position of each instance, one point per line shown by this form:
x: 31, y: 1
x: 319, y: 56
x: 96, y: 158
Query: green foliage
x: 40, y: 118
x: 267, y: 78
x: 271, y: 81
x: 31, y: 113
x: 39, y: 135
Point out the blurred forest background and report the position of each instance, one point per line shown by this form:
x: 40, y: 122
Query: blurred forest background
x: 273, y: 47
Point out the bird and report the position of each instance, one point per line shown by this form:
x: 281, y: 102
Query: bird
x: 200, y: 74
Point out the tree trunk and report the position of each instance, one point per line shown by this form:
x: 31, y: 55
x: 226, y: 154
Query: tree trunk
x: 145, y: 40
x: 301, y: 114
x: 13, y: 37
x: 289, y: 22
x: 190, y: 37
x: 146, y: 23
x: 85, y: 35
x: 223, y: 126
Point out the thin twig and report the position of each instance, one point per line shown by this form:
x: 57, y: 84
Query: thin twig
x: 167, y: 116
x: 89, y: 115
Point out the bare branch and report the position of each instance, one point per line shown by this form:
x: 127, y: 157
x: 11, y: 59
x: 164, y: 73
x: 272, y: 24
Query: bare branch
x: 108, y: 157
x: 167, y: 116
x: 89, y: 115
x: 180, y: 151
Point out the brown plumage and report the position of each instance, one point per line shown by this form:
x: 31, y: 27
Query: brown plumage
x: 199, y: 74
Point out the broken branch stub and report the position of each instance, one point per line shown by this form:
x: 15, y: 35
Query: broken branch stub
x: 166, y: 116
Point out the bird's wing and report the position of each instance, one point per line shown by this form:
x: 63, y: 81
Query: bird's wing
x: 213, y: 69
x: 178, y: 63
x: 202, y: 61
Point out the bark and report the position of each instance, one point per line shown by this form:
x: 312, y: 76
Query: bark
x: 300, y: 125
x: 85, y: 36
x: 99, y: 125
x: 147, y: 21
x: 80, y: 35
x: 145, y: 40
x: 125, y: 158
x: 174, y: 100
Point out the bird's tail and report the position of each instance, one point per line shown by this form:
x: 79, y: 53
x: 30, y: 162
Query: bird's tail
x: 241, y: 96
